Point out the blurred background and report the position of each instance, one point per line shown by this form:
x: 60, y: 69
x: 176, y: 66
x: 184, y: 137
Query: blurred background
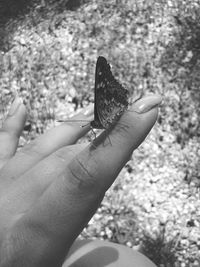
x: 48, y: 53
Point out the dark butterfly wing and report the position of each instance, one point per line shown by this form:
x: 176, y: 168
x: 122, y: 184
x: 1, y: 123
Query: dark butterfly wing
x: 111, y: 98
x: 96, y: 123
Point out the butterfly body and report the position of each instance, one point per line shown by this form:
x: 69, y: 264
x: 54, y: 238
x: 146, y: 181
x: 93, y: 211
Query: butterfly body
x: 111, y: 98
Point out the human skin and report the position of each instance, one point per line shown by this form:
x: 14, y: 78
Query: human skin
x: 50, y: 188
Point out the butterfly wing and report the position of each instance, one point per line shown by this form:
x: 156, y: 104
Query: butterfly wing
x: 111, y: 98
x: 96, y: 123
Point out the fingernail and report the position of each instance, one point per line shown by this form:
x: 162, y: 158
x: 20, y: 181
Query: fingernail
x: 15, y: 105
x: 147, y: 103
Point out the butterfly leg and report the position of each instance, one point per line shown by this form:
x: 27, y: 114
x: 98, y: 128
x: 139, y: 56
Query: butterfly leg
x: 107, y: 135
x: 93, y: 132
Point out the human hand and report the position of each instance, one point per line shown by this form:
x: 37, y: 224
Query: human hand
x: 50, y: 189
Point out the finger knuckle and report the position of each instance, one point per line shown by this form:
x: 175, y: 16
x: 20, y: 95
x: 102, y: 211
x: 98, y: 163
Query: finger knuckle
x: 83, y: 175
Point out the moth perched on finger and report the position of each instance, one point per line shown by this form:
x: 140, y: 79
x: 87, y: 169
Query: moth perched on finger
x: 110, y: 97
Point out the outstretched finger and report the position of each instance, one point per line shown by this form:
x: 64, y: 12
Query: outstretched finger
x: 11, y: 130
x: 54, y: 139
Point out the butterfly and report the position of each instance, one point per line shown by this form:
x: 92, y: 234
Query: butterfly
x: 110, y: 97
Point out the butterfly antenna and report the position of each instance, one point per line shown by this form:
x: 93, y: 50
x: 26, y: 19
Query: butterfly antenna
x: 72, y: 121
x: 88, y: 122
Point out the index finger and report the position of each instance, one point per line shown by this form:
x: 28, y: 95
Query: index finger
x: 105, y: 158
